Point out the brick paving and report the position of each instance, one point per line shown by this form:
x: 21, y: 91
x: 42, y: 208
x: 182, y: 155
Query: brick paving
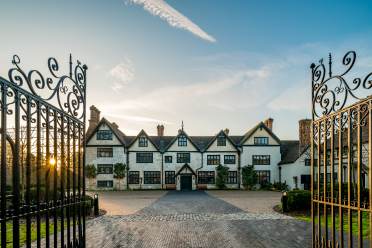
x: 196, y: 219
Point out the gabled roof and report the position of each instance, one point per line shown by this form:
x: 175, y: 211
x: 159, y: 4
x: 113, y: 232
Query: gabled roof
x: 216, y: 136
x: 181, y: 132
x: 248, y: 134
x: 290, y: 151
x: 118, y: 134
x: 183, y: 167
x: 143, y: 133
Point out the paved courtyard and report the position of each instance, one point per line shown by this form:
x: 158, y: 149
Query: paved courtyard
x: 194, y: 219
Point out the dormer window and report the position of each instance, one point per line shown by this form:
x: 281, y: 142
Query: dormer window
x: 221, y: 140
x: 182, y: 140
x: 104, y: 135
x: 261, y: 141
x: 143, y: 141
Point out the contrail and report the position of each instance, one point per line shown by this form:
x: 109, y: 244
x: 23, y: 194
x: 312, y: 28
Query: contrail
x: 173, y: 17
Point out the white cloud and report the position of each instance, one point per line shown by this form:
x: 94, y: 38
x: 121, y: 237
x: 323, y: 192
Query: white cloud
x: 173, y: 17
x: 122, y: 74
x: 296, y: 98
x: 136, y: 118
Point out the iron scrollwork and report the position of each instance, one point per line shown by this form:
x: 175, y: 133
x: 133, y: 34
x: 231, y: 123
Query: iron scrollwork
x: 327, y: 99
x: 68, y: 91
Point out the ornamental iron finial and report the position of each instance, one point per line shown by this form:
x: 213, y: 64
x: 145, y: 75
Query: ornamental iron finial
x: 67, y: 91
x: 332, y: 93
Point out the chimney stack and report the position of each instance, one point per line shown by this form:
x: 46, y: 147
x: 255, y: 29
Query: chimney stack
x: 160, y: 130
x: 304, y: 128
x: 116, y: 126
x: 94, y: 117
x: 269, y: 123
x: 226, y: 131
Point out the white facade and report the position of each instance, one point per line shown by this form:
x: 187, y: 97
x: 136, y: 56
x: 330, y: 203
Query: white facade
x: 158, y: 162
x: 292, y: 173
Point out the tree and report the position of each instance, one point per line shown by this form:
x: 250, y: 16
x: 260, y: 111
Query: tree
x: 90, y: 172
x: 249, y: 176
x: 119, y: 172
x: 221, y: 178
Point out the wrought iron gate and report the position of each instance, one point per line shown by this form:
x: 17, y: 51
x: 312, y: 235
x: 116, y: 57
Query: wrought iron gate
x: 341, y: 155
x: 42, y: 133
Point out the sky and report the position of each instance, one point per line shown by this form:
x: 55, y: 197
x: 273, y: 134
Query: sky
x: 213, y: 64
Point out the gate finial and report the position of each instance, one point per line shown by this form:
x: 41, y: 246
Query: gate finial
x: 330, y: 64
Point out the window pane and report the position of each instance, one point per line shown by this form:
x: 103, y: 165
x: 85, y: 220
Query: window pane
x: 261, y: 159
x: 168, y: 159
x: 213, y: 159
x: 183, y: 157
x: 104, y: 152
x: 263, y: 177
x: 182, y: 140
x: 232, y: 177
x: 144, y: 157
x: 104, y: 135
x: 229, y: 159
x: 170, y: 177
x: 205, y: 177
x: 142, y: 142
x: 261, y: 140
x: 104, y: 169
x: 105, y: 184
x: 151, y: 177
x: 133, y: 177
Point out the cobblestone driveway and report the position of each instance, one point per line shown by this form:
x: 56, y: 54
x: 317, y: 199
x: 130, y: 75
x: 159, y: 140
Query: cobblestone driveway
x: 196, y: 219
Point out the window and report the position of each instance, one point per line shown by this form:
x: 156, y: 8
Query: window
x: 103, y: 152
x: 232, y: 177
x: 307, y: 162
x: 229, y: 159
x: 205, y: 177
x: 104, y: 169
x: 263, y: 177
x: 151, y: 177
x: 183, y: 157
x: 213, y: 159
x: 168, y: 159
x: 133, y: 177
x: 144, y: 157
x: 170, y: 177
x: 261, y: 159
x: 221, y: 140
x: 261, y: 140
x: 105, y: 184
x: 142, y: 141
x: 182, y: 140
x: 104, y: 135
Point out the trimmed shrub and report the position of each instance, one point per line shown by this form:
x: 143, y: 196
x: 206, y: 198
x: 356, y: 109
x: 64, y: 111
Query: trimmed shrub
x: 299, y: 200
x: 280, y: 186
x: 221, y: 178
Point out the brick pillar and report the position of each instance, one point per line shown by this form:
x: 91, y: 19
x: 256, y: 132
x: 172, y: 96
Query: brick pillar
x: 304, y: 128
x: 269, y: 123
x: 160, y: 129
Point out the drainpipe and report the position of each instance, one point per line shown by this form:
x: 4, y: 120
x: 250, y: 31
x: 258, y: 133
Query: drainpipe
x: 162, y: 171
x: 196, y: 171
x: 127, y: 152
x: 239, y: 167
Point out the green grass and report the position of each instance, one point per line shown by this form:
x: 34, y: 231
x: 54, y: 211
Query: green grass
x: 365, y: 222
x: 22, y: 231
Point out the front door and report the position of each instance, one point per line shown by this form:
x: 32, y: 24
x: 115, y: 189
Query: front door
x: 186, y: 182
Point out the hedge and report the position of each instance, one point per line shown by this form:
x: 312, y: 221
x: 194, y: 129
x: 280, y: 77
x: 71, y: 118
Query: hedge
x: 299, y: 200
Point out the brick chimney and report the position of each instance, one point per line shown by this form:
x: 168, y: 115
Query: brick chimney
x: 226, y: 131
x: 160, y: 129
x: 116, y: 126
x: 94, y: 118
x: 269, y: 123
x: 304, y: 128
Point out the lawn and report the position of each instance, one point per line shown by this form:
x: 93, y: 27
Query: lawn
x: 22, y: 231
x: 365, y: 222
